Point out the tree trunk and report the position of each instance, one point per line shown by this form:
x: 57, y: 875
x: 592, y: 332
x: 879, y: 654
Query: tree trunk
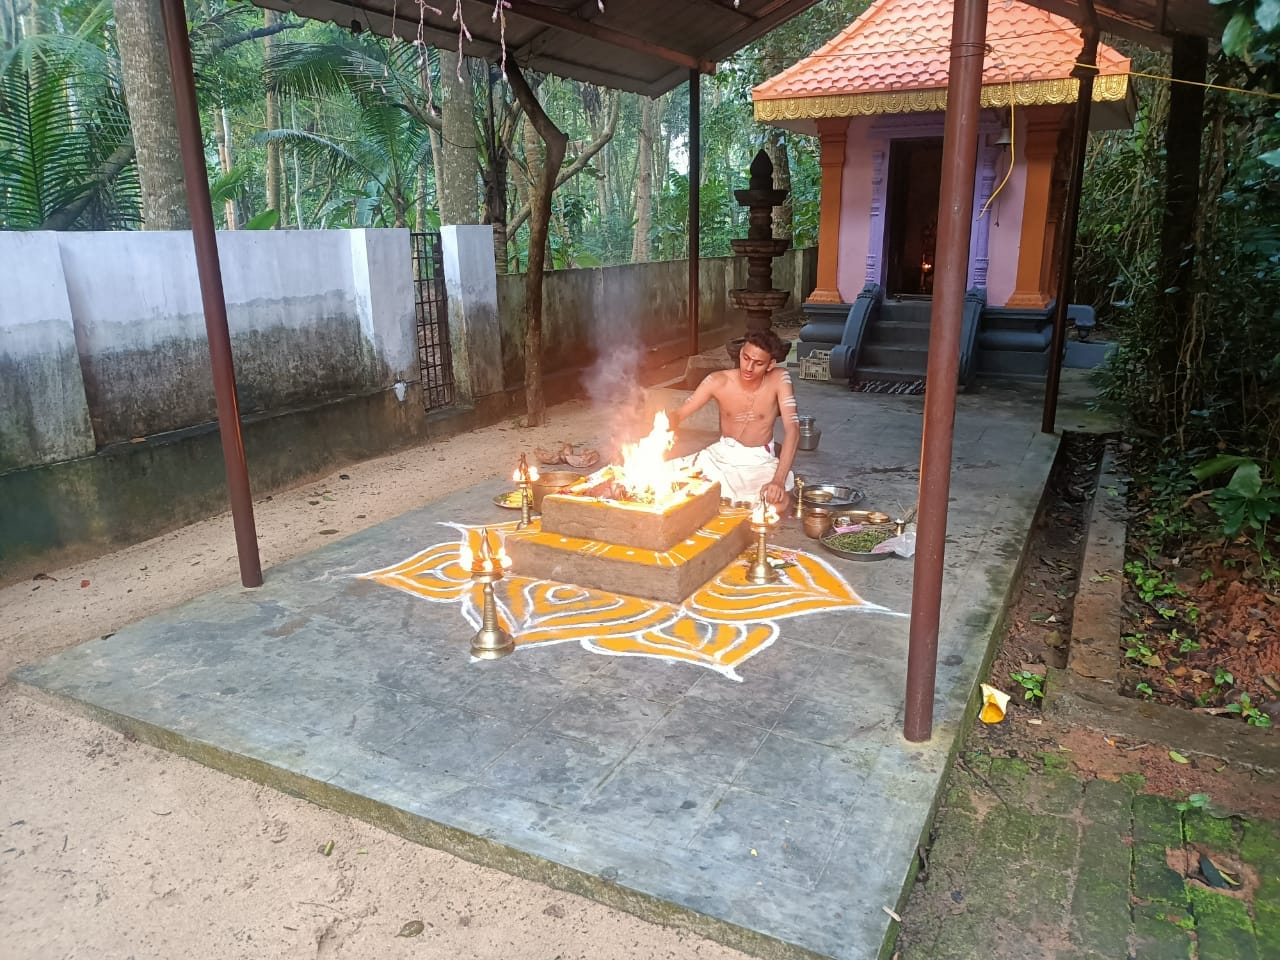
x: 144, y: 66
x: 541, y: 184
x: 495, y: 179
x: 775, y: 145
x: 296, y: 203
x: 222, y: 137
x: 644, y: 184
x: 275, y: 162
x: 458, y: 193
x: 1178, y: 230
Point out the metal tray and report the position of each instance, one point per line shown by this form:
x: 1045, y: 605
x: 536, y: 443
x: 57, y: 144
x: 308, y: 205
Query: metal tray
x: 833, y: 495
x: 509, y: 500
x: 850, y: 555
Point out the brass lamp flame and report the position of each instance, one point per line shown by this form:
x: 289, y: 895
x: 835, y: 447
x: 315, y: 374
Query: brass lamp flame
x: 762, y: 518
x: 487, y: 567
x: 524, y: 476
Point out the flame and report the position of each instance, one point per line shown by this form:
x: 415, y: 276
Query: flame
x: 764, y: 513
x: 524, y: 471
x: 645, y: 471
x: 489, y: 558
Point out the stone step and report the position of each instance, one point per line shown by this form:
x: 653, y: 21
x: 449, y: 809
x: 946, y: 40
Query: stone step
x: 916, y: 310
x: 912, y: 361
x: 898, y: 333
x: 892, y: 374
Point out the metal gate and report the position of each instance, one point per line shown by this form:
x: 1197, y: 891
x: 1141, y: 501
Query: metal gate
x: 435, y: 355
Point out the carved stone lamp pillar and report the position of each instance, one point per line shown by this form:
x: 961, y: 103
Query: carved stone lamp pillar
x: 759, y: 298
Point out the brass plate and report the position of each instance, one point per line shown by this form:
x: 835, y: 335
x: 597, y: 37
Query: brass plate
x: 510, y: 500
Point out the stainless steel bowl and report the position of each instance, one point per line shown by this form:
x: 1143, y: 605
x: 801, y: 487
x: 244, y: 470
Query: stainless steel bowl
x: 834, y: 495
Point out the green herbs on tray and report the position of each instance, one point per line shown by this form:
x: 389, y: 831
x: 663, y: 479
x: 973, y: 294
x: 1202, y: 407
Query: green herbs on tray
x: 864, y: 541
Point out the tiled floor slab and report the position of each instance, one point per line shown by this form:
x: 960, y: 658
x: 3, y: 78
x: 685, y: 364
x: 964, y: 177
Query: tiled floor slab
x: 779, y: 812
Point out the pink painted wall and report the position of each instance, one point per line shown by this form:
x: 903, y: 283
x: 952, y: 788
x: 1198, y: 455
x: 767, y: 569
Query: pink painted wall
x: 1006, y: 221
x: 869, y: 135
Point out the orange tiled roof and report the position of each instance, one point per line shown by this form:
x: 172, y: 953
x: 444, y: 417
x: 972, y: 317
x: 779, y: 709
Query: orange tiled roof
x: 898, y: 46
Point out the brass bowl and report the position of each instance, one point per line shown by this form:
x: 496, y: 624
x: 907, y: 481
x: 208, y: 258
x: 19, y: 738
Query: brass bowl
x: 816, y: 524
x: 553, y: 481
x: 866, y: 517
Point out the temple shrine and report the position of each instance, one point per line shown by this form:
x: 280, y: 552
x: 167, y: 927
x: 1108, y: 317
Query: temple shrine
x: 875, y: 97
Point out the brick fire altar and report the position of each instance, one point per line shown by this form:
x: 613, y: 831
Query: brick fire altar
x: 663, y: 549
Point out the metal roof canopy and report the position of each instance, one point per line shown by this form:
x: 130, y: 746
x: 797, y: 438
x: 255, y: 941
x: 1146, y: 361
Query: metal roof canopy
x: 1153, y: 23
x: 649, y: 46
x: 645, y: 47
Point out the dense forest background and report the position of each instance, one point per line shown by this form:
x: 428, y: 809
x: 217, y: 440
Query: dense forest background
x: 309, y: 126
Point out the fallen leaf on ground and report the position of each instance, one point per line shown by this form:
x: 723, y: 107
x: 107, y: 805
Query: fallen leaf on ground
x: 1176, y: 757
x: 84, y: 583
x: 411, y: 929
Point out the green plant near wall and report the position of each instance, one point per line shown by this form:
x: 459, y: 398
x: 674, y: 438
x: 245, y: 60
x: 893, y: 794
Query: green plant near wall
x: 1248, y: 503
x: 1031, y: 683
x: 1248, y: 712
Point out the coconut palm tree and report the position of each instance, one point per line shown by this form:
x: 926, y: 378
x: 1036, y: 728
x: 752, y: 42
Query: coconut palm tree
x: 66, y: 152
x: 384, y: 118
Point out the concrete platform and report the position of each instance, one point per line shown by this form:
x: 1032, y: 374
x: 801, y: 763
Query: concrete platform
x: 733, y: 765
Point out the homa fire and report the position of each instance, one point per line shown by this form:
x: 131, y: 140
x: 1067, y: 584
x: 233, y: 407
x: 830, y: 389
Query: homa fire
x: 645, y: 478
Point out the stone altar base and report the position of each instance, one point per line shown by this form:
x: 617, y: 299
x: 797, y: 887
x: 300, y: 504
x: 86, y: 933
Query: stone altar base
x: 669, y: 576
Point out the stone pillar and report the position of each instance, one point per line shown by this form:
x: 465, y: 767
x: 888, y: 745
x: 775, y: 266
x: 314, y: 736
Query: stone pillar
x: 980, y: 239
x: 1039, y: 153
x: 471, y: 282
x: 44, y: 415
x: 831, y: 134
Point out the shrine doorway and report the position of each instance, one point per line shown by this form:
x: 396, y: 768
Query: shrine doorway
x: 915, y: 176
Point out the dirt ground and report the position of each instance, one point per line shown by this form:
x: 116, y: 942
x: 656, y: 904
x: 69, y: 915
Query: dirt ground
x: 112, y: 849
x: 1039, y: 626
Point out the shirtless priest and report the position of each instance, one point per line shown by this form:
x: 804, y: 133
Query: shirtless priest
x: 751, y: 398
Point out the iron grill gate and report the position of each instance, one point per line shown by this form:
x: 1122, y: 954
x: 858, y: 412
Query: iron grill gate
x: 435, y: 356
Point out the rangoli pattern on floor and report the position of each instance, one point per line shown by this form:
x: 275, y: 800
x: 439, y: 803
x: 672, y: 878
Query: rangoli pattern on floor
x: 722, y: 625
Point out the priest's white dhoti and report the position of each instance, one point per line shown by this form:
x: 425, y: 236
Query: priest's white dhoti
x: 741, y: 470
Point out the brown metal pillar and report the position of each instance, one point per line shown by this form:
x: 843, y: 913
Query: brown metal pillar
x: 215, y: 305
x: 1085, y: 70
x: 955, y: 218
x: 695, y: 200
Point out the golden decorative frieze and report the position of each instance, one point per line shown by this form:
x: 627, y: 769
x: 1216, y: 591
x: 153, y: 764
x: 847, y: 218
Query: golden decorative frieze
x: 1031, y: 93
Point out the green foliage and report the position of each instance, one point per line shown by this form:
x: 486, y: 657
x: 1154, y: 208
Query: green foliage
x: 1195, y: 801
x: 1205, y: 374
x: 1150, y: 584
x: 1248, y: 712
x: 66, y: 154
x: 1031, y: 683
x: 1249, y: 501
x: 1137, y: 648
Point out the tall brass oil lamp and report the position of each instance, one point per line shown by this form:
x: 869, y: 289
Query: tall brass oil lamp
x: 524, y: 476
x: 488, y: 567
x: 762, y: 518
